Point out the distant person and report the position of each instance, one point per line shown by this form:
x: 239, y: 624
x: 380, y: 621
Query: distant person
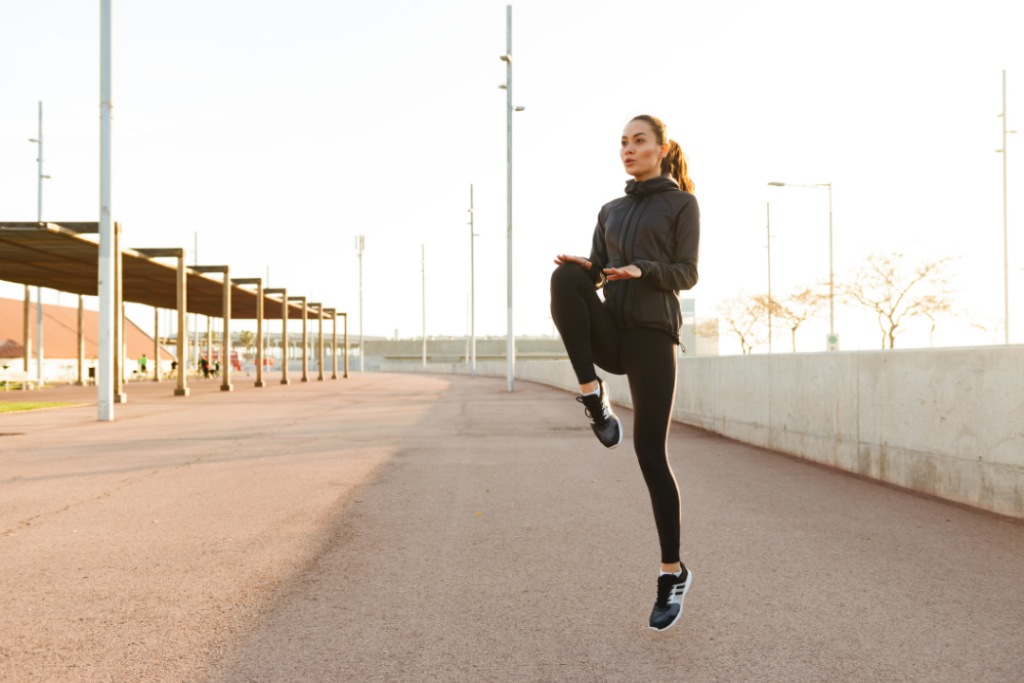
x: 174, y: 365
x: 142, y: 364
x: 204, y: 367
x: 216, y: 367
x: 644, y: 252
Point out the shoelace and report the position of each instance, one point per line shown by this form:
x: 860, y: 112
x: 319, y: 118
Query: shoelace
x: 601, y: 418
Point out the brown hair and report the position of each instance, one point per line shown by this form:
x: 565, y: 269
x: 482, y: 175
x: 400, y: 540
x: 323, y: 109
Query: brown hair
x: 675, y: 162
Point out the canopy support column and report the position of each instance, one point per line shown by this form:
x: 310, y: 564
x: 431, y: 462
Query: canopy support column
x: 284, y: 329
x: 346, y: 344
x: 27, y: 334
x: 305, y: 337
x: 182, y: 295
x: 119, y: 395
x: 81, y: 340
x: 182, y: 389
x: 319, y: 341
x: 156, y: 344
x: 226, y: 345
x: 333, y: 312
x: 259, y: 323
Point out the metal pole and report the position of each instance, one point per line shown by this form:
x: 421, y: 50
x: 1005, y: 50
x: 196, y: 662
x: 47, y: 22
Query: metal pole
x: 472, y: 287
x: 1006, y: 257
x: 423, y: 272
x: 156, y: 344
x: 266, y: 341
x: 510, y: 349
x: 362, y: 351
x: 831, y: 276
x: 105, y: 275
x: 39, y: 290
x: 195, y: 316
x: 768, y: 225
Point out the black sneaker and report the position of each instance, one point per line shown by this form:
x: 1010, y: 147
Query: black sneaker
x: 669, y: 605
x: 602, y: 420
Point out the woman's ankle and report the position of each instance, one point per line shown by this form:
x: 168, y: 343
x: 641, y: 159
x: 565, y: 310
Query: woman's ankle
x: 591, y: 387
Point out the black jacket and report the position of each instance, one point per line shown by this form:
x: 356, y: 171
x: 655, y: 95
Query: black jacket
x: 655, y: 227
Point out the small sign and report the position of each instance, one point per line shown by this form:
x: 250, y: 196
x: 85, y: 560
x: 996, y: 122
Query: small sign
x: 832, y: 341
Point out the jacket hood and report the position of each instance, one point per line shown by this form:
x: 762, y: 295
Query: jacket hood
x: 652, y: 186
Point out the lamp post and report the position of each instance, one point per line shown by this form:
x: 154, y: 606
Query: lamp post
x: 509, y: 108
x: 39, y: 217
x: 105, y: 275
x: 831, y: 277
x: 423, y: 273
x: 472, y: 288
x: 360, y: 246
x: 1006, y: 257
x: 768, y: 225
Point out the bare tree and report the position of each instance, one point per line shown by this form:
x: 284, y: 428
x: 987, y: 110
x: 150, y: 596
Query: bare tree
x: 799, y: 307
x: 707, y: 328
x: 745, y: 316
x: 883, y: 286
x: 992, y: 327
x: 935, y: 308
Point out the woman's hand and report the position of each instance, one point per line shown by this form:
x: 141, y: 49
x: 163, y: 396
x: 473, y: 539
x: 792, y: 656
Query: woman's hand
x: 583, y: 263
x: 625, y: 273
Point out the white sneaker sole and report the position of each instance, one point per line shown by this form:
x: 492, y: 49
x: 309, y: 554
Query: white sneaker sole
x: 686, y: 587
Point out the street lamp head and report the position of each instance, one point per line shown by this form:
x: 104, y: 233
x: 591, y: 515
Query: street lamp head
x: 520, y: 108
x: 505, y: 58
x: 33, y: 140
x: 776, y: 184
x: 502, y: 87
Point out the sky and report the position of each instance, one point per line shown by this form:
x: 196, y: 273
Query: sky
x: 280, y: 131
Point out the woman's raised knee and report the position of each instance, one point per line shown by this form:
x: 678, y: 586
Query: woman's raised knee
x: 568, y: 275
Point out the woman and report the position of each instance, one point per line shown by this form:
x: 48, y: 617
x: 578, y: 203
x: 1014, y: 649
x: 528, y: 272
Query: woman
x: 644, y: 252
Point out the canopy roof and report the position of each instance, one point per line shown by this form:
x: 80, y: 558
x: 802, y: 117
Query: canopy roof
x: 59, y: 256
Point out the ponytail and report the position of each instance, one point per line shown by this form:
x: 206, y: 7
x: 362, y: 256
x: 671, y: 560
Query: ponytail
x: 675, y: 162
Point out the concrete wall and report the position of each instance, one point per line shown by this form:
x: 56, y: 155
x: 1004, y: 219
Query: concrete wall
x: 948, y: 422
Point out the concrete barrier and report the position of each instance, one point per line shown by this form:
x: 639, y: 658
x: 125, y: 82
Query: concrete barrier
x: 947, y: 422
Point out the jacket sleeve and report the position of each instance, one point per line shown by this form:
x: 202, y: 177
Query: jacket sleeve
x: 681, y: 273
x: 598, y: 255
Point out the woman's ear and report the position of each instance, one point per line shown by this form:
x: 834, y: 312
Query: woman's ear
x: 664, y: 150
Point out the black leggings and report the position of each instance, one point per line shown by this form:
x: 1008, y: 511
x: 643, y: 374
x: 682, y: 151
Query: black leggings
x: 648, y: 359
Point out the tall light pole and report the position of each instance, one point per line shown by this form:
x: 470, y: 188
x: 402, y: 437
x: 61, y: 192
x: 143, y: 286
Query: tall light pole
x: 507, y: 58
x: 831, y: 276
x: 1006, y: 256
x: 39, y: 217
x: 423, y: 273
x: 360, y: 246
x: 105, y: 276
x: 472, y: 287
x: 768, y: 226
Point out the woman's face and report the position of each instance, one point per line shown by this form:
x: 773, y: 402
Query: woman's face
x: 641, y: 154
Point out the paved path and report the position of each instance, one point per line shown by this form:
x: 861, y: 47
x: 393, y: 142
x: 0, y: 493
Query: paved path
x: 415, y: 528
